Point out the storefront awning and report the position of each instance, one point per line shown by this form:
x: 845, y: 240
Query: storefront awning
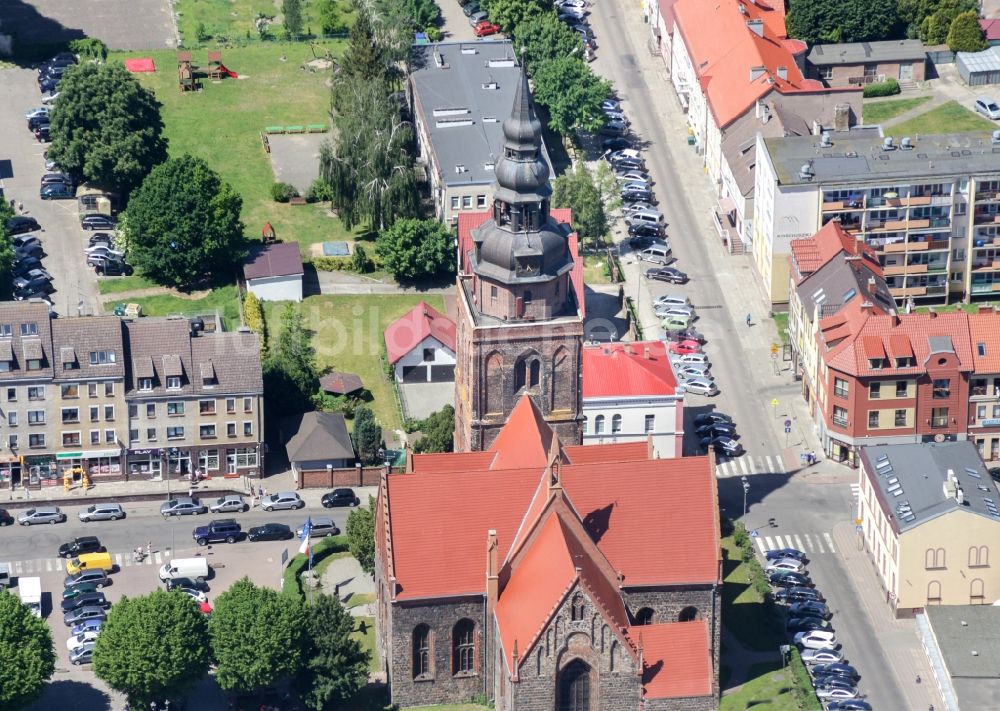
x: 89, y: 454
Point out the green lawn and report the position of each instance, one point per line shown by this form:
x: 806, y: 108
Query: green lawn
x: 768, y: 689
x: 951, y: 117
x: 595, y: 269
x: 116, y: 285
x: 743, y: 611
x: 368, y: 642
x: 360, y: 599
x: 348, y: 336
x: 222, y: 300
x: 222, y: 124
x: 967, y: 308
x: 879, y: 111
x: 781, y: 324
x: 234, y: 18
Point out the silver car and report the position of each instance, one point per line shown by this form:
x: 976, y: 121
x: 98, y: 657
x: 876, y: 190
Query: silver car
x: 987, y: 107
x: 181, y: 506
x: 102, y: 512
x: 84, y: 654
x: 41, y: 514
x: 282, y: 500
x: 232, y: 503
x: 700, y: 386
x: 320, y: 527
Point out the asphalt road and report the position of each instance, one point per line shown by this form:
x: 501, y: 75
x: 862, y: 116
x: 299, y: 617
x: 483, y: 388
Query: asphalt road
x: 722, y: 290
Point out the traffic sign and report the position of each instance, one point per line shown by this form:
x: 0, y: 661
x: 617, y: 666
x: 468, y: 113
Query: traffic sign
x: 774, y: 402
x: 859, y: 529
x: 774, y: 349
x: 858, y: 522
x: 753, y: 533
x: 788, y: 423
x: 788, y: 430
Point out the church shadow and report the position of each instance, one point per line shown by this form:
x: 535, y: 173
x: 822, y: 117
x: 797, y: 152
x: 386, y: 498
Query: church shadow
x: 598, y: 522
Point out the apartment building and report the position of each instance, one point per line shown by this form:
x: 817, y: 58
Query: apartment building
x: 928, y: 205
x: 929, y: 519
x: 984, y: 387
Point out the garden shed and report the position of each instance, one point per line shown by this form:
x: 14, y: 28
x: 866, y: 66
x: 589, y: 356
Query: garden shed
x: 979, y: 68
x: 274, y: 272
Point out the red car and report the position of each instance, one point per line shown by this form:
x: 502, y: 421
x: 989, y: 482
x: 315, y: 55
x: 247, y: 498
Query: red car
x: 684, y: 347
x: 486, y: 28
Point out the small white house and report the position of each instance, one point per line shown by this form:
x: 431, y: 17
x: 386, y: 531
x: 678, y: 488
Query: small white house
x: 274, y: 272
x: 629, y: 395
x: 421, y: 346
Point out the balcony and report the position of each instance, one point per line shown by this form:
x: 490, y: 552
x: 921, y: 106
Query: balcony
x: 919, y: 224
x: 986, y: 266
x: 894, y: 269
x: 985, y: 288
x: 939, y: 421
x: 840, y: 421
x: 985, y: 197
x: 984, y: 217
x: 904, y: 291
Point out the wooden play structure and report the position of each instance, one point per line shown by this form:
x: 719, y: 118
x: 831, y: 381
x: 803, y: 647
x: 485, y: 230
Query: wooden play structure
x: 189, y: 75
x: 186, y: 79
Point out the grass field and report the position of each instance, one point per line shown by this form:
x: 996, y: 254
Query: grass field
x: 951, y: 117
x: 768, y: 689
x: 222, y: 124
x: 781, y: 324
x: 234, y: 18
x: 116, y: 285
x: 222, y: 300
x: 368, y: 642
x: 879, y: 111
x: 595, y: 269
x: 347, y: 335
x: 743, y: 611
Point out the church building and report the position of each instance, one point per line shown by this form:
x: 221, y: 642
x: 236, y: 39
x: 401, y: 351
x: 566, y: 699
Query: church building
x: 520, y: 300
x: 546, y: 576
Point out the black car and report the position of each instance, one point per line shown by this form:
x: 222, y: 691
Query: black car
x: 798, y: 594
x: 81, y: 545
x: 837, y: 669
x: 789, y: 579
x: 722, y: 444
x: 32, y: 285
x: 638, y: 195
x: 97, y: 222
x: 28, y: 249
x: 23, y: 266
x: 793, y: 553
x: 5, y: 518
x: 995, y: 473
x: 709, y: 418
x: 173, y: 583
x: 806, y: 624
x: 270, y: 532
x: 36, y: 121
x: 638, y: 242
x: 36, y: 292
x: 624, y: 163
x: 42, y: 134
x: 226, y: 529
x: 616, y: 144
x: 100, y: 238
x: 113, y: 267
x: 96, y: 599
x: 340, y: 497
x: 716, y: 428
x: 22, y: 224
x: 55, y: 191
x: 640, y: 229
x: 667, y: 274
x: 686, y: 334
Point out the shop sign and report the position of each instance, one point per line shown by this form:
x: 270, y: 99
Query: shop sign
x: 90, y: 454
x: 35, y: 460
x: 144, y: 452
x: 990, y: 423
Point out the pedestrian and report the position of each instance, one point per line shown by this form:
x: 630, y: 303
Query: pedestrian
x: 20, y: 207
x: 260, y: 490
x: 918, y: 678
x: 253, y: 500
x: 749, y: 319
x: 190, y: 492
x: 264, y: 492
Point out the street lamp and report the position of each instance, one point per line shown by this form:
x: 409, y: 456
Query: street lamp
x: 746, y: 490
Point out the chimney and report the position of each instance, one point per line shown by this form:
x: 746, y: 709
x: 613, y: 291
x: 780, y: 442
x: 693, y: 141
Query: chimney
x: 895, y: 319
x: 867, y: 305
x: 842, y: 117
x: 783, y: 73
x: 757, y: 72
x: 515, y: 677
x: 871, y: 282
x: 492, y: 574
x: 646, y: 354
x: 984, y: 309
x: 959, y: 496
x: 641, y: 666
x: 931, y: 313
x: 756, y: 26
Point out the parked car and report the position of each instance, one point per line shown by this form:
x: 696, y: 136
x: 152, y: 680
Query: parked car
x: 78, y: 590
x: 5, y: 518
x: 789, y: 579
x: 685, y: 334
x: 822, y: 656
x: 100, y: 238
x: 469, y: 9
x: 638, y: 194
x: 692, y: 370
x: 80, y: 639
x: 21, y: 224
x: 616, y: 144
x: 828, y: 681
x: 23, y: 266
x: 109, y: 266
x: 807, y: 624
x: 641, y: 242
x: 987, y: 107
x: 270, y: 532
x: 627, y: 163
x: 41, y: 514
x: 182, y: 506
x: 837, y: 692
x: 779, y: 553
x: 81, y: 545
x: 102, y: 512
x: 633, y: 176
x: 217, y: 531
x: 90, y: 612
x: 785, y: 564
x: 816, y: 639
x: 232, y: 503
x: 42, y: 133
x: 644, y: 230
x: 97, y: 222
x: 102, y: 250
x: 37, y: 121
x: 193, y: 593
x: 282, y: 500
x: 716, y: 429
x: 684, y: 347
x: 55, y: 191
x: 32, y: 249
x: 696, y: 358
x: 97, y: 576
x: 611, y: 104
x: 191, y: 583
x: 34, y: 291
x: 84, y: 654
x: 95, y: 599
x: 723, y: 445
x: 701, y: 386
x: 340, y: 497
x: 485, y: 29
x: 614, y: 128
x: 477, y: 17
x: 708, y: 418
x: 86, y: 625
x: 319, y: 528
x: 849, y: 705
x: 668, y: 274
x: 798, y: 594
x: 37, y: 111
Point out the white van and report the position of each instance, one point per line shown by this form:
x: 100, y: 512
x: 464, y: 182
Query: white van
x: 654, y: 218
x: 196, y: 568
x: 657, y: 254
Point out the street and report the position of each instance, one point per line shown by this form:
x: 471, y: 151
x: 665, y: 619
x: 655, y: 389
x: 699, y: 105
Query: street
x: 812, y: 507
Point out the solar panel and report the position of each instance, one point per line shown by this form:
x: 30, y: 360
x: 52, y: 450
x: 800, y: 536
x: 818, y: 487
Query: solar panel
x: 909, y: 518
x: 894, y: 487
x: 882, y: 458
x: 972, y: 472
x: 898, y: 493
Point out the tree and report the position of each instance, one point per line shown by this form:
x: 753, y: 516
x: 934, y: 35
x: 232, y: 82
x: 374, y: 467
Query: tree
x: 607, y: 186
x: 438, y: 432
x: 331, y: 19
x: 364, y: 57
x: 292, y: 16
x: 843, y: 20
x: 367, y: 436
x: 415, y: 249
x: 258, y: 636
x: 966, y: 34
x: 571, y: 93
x: 290, y: 375
x: 336, y: 666
x: 153, y: 646
x: 361, y: 535
x: 106, y: 127
x: 934, y: 28
x: 576, y: 190
x: 27, y: 658
x: 509, y: 14
x: 545, y: 37
x: 917, y: 15
x: 90, y: 48
x: 184, y: 223
x: 6, y: 250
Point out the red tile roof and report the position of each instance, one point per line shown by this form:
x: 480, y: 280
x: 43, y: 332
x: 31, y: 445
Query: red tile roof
x: 452, y: 462
x: 616, y: 452
x: 526, y: 440
x: 991, y: 29
x: 811, y: 253
x: 410, y: 329
x: 468, y: 221
x: 678, y: 659
x: 627, y: 370
x: 278, y: 259
x: 984, y: 328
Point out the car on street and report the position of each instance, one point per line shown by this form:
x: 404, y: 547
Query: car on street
x: 779, y: 553
x: 231, y: 503
x: 672, y: 300
x: 192, y: 583
x: 84, y: 654
x: 807, y: 624
x: 23, y: 266
x: 21, y: 224
x: 689, y: 358
x: 849, y: 705
x: 270, y: 532
x: 785, y: 564
x: 79, y: 546
x: 77, y: 591
x: 97, y: 576
x: 41, y: 514
x: 810, y: 609
x: 193, y: 593
x: 79, y: 640
x: 722, y: 445
x: 671, y: 275
x: 113, y: 267
x: 789, y: 579
x: 845, y: 671
x: 97, y: 222
x: 708, y: 418
x: 675, y: 323
x: 815, y: 639
x: 86, y: 625
x: 107, y: 511
x: 37, y: 111
x: 684, y: 334
x: 5, y: 518
x: 91, y: 612
x: 822, y: 656
x: 282, y: 500
x: 340, y: 497
x: 798, y: 594
x: 716, y: 429
x: 226, y: 529
x: 95, y: 599
x: 701, y: 386
x: 182, y: 506
x: 837, y: 692
x: 319, y: 528
x: 987, y: 107
x: 692, y: 370
x: 682, y: 347
x: 665, y: 310
x: 485, y: 29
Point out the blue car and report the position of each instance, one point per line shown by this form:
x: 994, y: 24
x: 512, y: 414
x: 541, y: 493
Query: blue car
x: 780, y: 553
x: 84, y: 626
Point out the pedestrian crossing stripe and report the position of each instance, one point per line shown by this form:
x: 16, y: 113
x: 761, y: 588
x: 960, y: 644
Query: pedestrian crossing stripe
x: 855, y: 489
x: 805, y: 542
x: 749, y: 466
x: 58, y: 565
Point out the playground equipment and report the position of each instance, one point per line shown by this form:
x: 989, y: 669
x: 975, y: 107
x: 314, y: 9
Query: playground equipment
x: 186, y: 79
x: 268, y: 233
x: 188, y: 74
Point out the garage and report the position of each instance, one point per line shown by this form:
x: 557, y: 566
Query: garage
x: 421, y: 346
x: 979, y: 68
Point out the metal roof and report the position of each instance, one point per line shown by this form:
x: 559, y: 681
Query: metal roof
x: 866, y: 52
x: 986, y: 61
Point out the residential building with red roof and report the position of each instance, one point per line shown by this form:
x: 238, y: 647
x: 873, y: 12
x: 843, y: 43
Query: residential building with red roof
x: 535, y: 573
x: 630, y: 395
x: 420, y: 346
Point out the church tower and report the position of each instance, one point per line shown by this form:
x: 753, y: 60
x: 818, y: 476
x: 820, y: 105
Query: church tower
x: 520, y: 329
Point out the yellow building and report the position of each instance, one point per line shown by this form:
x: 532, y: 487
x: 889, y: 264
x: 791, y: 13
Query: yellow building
x: 929, y: 519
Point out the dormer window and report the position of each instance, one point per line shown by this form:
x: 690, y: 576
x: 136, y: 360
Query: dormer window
x: 145, y: 383
x: 876, y: 363
x: 173, y: 382
x: 102, y: 357
x: 528, y: 266
x: 905, y: 362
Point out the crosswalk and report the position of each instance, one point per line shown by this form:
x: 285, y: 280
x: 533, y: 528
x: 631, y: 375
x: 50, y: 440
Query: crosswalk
x: 58, y: 565
x: 748, y: 466
x: 855, y: 490
x: 809, y: 543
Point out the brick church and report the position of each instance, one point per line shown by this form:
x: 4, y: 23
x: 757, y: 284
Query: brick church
x: 525, y: 568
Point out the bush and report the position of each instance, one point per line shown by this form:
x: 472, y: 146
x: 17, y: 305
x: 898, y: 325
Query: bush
x: 291, y: 583
x: 319, y: 191
x: 886, y: 88
x: 433, y: 33
x: 283, y: 192
x: 253, y: 315
x: 333, y: 264
x: 360, y: 261
x: 802, y: 689
x: 202, y: 33
x: 965, y: 33
x: 91, y: 48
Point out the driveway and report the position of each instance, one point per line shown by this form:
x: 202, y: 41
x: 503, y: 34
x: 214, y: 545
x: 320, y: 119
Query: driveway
x: 455, y: 25
x: 120, y: 24
x: 423, y: 399
x: 61, y: 236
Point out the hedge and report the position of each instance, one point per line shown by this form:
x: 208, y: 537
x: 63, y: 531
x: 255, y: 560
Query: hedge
x: 291, y: 580
x: 333, y: 264
x: 803, y: 689
x: 886, y: 88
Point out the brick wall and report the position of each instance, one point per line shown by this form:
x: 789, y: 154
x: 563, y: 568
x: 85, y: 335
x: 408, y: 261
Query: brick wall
x: 842, y: 74
x: 691, y: 703
x: 327, y: 479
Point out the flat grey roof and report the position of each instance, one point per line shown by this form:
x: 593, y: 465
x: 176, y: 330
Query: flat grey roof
x: 961, y: 630
x: 822, y: 55
x: 914, y: 476
x: 986, y: 61
x: 858, y: 156
x: 463, y: 91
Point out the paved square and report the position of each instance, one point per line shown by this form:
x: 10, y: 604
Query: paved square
x: 295, y: 158
x: 120, y: 24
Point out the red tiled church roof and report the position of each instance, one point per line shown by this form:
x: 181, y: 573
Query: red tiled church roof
x: 409, y: 330
x: 674, y: 668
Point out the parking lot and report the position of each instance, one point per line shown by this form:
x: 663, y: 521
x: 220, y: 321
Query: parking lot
x: 61, y: 236
x: 121, y: 24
